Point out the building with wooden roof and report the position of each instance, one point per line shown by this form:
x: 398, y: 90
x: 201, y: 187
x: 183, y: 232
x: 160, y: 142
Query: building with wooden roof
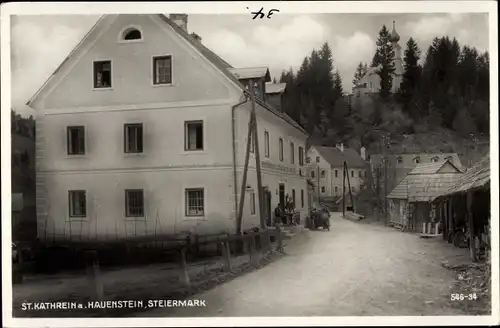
x: 409, y: 202
x: 466, y: 202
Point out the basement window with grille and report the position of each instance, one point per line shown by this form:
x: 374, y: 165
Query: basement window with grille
x: 134, y: 203
x: 195, y: 202
x: 77, y: 203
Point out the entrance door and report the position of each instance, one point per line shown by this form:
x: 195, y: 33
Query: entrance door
x: 282, y: 195
x: 267, y: 207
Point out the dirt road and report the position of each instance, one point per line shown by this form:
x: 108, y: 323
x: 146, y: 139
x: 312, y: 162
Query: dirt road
x: 353, y: 270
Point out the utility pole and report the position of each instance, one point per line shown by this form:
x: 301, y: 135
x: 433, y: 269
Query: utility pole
x: 349, y: 185
x: 252, y: 133
x: 319, y: 195
x: 257, y: 159
x: 385, y: 192
x: 343, y: 191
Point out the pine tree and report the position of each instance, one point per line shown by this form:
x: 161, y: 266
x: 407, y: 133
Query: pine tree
x: 338, y: 90
x: 275, y: 80
x: 411, y: 77
x: 361, y: 70
x: 384, y: 61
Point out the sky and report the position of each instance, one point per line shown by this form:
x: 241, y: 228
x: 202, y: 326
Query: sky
x: 40, y: 43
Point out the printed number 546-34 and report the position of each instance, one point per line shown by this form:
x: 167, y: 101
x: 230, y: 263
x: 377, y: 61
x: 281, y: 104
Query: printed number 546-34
x: 463, y: 297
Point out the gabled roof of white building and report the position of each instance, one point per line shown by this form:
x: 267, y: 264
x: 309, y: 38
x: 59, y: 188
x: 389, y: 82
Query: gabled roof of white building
x: 223, y: 66
x: 251, y: 73
x: 336, y: 157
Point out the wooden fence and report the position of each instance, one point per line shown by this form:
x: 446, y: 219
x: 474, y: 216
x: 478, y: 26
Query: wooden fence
x: 255, y: 244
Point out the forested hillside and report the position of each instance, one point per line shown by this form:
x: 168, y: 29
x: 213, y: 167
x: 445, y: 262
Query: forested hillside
x: 443, y: 97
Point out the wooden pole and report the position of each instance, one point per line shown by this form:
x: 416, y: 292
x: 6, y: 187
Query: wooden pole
x: 470, y: 218
x: 451, y: 218
x: 244, y: 180
x: 349, y: 186
x: 94, y: 276
x: 343, y: 191
x: 377, y: 172
x: 385, y: 191
x: 183, y: 272
x: 257, y: 159
x: 226, y: 255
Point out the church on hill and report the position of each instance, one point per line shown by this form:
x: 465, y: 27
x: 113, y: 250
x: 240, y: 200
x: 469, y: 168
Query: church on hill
x: 370, y: 82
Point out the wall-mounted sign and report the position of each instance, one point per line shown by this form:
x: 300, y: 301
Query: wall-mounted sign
x: 278, y: 167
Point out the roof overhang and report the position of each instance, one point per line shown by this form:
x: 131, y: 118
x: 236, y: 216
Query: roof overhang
x: 251, y: 73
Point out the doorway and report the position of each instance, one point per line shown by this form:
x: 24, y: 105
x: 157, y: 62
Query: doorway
x: 267, y: 206
x: 282, y: 195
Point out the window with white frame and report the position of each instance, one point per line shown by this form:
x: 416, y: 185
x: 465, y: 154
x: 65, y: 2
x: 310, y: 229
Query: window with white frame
x: 77, y: 203
x: 312, y: 174
x: 102, y: 74
x: 280, y: 142
x: 336, y: 173
x: 352, y: 174
x: 266, y: 143
x: 133, y: 138
x: 323, y: 190
x: 134, y: 203
x: 323, y: 173
x: 302, y: 198
x: 162, y: 70
x: 317, y: 159
x: 252, y: 202
x: 194, y: 135
x: 360, y: 174
x: 195, y: 202
x: 336, y: 190
x: 76, y: 140
x: 292, y: 153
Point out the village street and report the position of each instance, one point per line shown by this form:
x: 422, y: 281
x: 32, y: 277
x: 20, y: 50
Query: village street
x: 355, y: 269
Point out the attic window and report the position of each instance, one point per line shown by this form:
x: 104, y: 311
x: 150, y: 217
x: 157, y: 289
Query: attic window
x: 434, y: 159
x: 400, y: 160
x: 449, y: 158
x: 416, y: 160
x: 102, y: 74
x: 132, y: 34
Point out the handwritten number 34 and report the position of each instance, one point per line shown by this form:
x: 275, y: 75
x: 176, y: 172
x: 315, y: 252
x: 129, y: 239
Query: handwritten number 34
x: 261, y: 15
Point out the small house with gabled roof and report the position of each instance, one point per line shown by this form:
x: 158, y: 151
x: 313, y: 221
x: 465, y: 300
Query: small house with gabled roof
x: 409, y: 203
x: 326, y: 167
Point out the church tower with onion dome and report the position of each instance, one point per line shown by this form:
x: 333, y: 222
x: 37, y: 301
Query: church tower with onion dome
x: 398, y: 59
x: 370, y: 82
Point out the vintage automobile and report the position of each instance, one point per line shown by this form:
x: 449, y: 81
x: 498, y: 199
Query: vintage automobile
x: 319, y: 218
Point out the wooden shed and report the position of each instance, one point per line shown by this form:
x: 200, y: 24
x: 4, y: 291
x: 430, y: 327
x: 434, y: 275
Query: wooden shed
x: 409, y: 203
x: 467, y: 204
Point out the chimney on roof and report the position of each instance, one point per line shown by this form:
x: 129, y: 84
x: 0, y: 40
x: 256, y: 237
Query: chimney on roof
x: 340, y: 146
x: 180, y: 19
x: 362, y: 152
x: 196, y: 37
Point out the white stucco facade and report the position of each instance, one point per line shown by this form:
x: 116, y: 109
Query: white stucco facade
x: 164, y: 170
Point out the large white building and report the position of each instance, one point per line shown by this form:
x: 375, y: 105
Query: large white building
x: 142, y: 130
x: 370, y: 82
